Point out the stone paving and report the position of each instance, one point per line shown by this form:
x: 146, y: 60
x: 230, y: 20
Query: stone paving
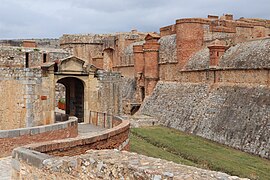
x: 84, y: 128
x: 5, y: 168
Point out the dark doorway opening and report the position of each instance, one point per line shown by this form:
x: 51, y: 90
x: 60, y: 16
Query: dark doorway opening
x: 74, y: 97
x: 142, y: 93
x: 27, y: 60
x: 44, y: 57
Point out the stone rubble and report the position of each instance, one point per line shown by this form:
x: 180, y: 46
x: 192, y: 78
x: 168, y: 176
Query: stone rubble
x: 114, y: 164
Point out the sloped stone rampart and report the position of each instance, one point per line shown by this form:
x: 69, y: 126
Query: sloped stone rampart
x: 253, y: 54
x: 167, y: 50
x: 234, y: 115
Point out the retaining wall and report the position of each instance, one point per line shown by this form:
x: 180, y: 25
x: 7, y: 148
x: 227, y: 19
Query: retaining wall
x: 10, y: 139
x: 233, y: 114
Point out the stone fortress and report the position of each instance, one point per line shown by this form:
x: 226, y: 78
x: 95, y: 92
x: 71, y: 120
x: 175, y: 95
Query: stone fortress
x: 206, y: 76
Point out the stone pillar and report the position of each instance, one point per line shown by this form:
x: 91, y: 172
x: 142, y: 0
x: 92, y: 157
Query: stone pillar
x: 151, y: 72
x: 139, y: 71
x: 189, y: 38
x: 216, y: 50
x: 138, y: 59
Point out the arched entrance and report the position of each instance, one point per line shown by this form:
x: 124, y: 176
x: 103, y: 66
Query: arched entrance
x: 74, y: 98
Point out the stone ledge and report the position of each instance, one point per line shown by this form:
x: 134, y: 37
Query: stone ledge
x: 86, y: 140
x: 33, y: 158
x: 38, y: 129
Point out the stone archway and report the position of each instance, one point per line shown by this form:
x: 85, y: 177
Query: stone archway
x: 74, y: 99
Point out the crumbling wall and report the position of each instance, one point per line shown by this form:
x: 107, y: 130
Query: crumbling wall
x: 16, y: 56
x: 109, y: 164
x: 235, y: 115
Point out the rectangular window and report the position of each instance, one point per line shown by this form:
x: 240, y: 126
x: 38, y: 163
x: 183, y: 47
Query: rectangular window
x: 27, y: 60
x: 44, y: 57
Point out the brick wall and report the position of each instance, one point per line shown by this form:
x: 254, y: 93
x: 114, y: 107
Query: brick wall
x: 114, y: 138
x: 10, y: 139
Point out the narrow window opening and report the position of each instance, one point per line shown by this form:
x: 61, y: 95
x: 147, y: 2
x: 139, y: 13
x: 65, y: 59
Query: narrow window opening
x: 27, y: 60
x: 142, y: 93
x: 44, y: 57
x: 55, y: 67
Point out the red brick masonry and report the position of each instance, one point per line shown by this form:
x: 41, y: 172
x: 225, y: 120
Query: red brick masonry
x: 114, y: 138
x: 10, y: 139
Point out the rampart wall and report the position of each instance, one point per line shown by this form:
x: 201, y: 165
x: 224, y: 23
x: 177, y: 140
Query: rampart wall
x: 41, y: 43
x: 235, y: 113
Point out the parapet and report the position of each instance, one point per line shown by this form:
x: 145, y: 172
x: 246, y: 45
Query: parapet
x: 167, y: 30
x: 29, y: 43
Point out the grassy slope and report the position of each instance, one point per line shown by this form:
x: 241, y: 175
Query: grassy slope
x: 192, y: 150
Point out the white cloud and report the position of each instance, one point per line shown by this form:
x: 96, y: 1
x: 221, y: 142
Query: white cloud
x: 52, y: 18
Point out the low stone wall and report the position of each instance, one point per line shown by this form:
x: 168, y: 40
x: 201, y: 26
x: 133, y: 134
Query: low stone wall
x: 35, y: 155
x: 107, y: 164
x: 10, y: 139
x: 114, y: 138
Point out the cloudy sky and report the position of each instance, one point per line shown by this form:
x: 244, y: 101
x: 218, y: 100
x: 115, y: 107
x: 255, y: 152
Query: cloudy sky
x: 52, y: 18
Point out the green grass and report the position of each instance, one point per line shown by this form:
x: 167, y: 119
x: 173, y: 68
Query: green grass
x: 192, y: 150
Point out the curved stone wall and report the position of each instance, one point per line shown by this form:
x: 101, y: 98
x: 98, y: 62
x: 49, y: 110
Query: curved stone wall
x: 35, y: 155
x: 10, y: 139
